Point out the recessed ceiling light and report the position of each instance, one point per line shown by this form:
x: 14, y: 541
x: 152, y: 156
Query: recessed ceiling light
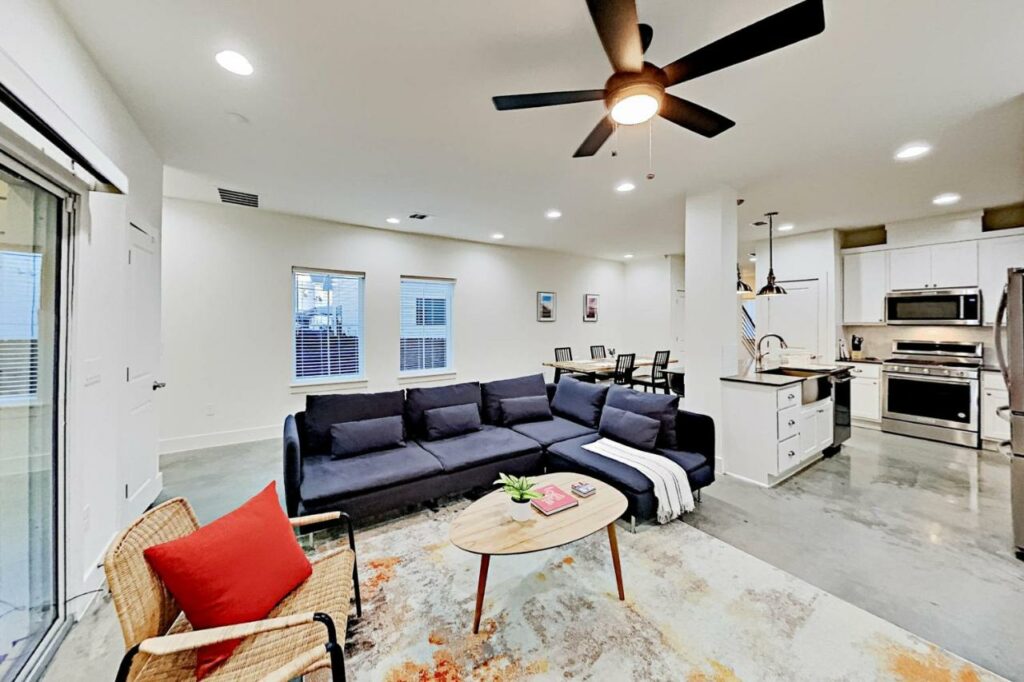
x: 912, y: 150
x: 946, y: 199
x: 627, y: 255
x: 785, y: 227
x: 393, y: 221
x: 234, y: 62
x: 497, y: 235
x: 553, y: 214
x: 625, y: 187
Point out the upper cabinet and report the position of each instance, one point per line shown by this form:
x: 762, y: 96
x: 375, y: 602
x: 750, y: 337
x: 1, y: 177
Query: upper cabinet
x: 865, y: 277
x: 995, y: 256
x: 940, y: 266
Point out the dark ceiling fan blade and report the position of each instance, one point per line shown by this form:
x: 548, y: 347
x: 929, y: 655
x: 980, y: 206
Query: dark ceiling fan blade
x: 789, y: 26
x: 617, y: 28
x: 601, y: 132
x: 545, y: 99
x: 693, y: 116
x: 646, y: 36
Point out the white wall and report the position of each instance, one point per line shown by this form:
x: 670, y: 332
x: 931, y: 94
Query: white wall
x: 647, y: 319
x: 227, y: 311
x: 36, y: 42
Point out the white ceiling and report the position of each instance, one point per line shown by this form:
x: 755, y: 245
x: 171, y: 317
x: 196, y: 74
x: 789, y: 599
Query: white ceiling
x: 363, y: 110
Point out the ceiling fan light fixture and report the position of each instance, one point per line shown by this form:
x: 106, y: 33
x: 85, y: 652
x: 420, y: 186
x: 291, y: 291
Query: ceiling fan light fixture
x: 636, y: 103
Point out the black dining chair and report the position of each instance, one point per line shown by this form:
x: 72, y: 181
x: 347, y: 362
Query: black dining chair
x: 624, y: 366
x: 658, y: 377
x: 562, y: 355
x: 598, y: 353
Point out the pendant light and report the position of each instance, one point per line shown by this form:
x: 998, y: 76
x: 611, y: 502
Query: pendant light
x: 741, y: 286
x: 770, y: 288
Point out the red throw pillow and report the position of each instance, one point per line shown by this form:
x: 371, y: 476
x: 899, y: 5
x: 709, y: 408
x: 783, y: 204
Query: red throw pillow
x: 233, y: 570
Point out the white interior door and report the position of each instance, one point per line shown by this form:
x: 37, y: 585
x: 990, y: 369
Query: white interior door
x: 678, y: 323
x: 795, y: 317
x: 140, y: 463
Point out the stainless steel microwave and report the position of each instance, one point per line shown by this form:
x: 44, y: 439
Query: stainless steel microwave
x: 934, y: 307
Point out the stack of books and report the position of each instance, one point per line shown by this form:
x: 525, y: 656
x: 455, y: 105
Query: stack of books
x: 555, y: 500
x: 583, y: 488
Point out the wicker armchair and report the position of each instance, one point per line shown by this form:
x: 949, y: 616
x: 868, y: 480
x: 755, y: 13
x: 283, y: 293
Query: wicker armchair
x: 298, y: 637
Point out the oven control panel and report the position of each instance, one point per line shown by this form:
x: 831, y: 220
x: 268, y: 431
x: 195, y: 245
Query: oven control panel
x: 936, y: 371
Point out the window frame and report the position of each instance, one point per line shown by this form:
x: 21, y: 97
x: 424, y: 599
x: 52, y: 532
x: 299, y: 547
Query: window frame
x: 328, y: 379
x: 449, y: 368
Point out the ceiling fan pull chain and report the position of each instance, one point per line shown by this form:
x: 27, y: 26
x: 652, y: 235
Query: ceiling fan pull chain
x: 615, y: 138
x: 650, y: 149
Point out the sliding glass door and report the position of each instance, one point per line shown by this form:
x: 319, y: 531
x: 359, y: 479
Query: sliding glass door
x: 30, y: 253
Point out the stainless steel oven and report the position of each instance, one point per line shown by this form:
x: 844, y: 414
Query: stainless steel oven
x: 934, y: 307
x: 931, y: 390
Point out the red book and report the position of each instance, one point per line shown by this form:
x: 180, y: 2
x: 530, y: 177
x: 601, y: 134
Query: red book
x: 555, y: 500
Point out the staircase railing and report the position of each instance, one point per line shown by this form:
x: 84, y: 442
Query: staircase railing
x: 748, y: 332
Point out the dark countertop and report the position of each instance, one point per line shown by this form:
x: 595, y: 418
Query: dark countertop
x: 864, y: 361
x: 762, y: 379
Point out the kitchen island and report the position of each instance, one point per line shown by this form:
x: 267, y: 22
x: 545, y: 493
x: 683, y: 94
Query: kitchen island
x: 783, y: 421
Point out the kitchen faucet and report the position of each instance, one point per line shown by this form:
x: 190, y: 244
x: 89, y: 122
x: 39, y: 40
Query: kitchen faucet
x: 759, y: 357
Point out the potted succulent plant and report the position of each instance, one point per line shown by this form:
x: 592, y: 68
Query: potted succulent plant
x: 520, y: 490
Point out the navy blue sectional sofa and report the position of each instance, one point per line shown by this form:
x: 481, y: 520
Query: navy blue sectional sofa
x: 371, y: 453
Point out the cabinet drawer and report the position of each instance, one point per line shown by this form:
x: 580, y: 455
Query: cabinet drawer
x: 789, y: 452
x: 789, y: 422
x: 863, y: 370
x: 789, y: 396
x: 993, y: 380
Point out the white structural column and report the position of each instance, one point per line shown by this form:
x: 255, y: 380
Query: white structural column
x: 712, y: 328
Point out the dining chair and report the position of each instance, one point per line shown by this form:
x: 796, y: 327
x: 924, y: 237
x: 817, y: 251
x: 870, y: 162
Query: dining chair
x: 657, y: 378
x: 563, y: 354
x: 598, y: 353
x: 624, y: 366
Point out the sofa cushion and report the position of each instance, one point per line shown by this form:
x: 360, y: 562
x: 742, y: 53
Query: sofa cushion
x: 570, y: 455
x: 419, y: 400
x: 653, y: 405
x: 629, y: 428
x: 551, y: 431
x: 323, y: 411
x: 579, y: 401
x: 366, y: 435
x: 326, y: 480
x: 493, y: 392
x: 489, y: 444
x: 534, y: 408
x: 451, y: 421
x: 689, y: 461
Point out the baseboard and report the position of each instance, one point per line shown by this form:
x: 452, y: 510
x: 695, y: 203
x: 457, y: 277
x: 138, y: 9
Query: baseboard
x: 211, y: 440
x: 867, y: 424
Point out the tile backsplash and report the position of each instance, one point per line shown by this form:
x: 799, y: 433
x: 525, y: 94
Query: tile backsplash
x: 878, y: 339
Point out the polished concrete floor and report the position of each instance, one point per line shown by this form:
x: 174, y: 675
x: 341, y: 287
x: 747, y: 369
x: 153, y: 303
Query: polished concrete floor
x: 912, y: 531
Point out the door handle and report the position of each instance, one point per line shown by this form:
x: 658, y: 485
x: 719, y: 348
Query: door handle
x: 157, y: 385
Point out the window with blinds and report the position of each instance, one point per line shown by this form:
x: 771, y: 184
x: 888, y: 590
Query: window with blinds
x: 328, y: 324
x: 426, y: 325
x: 20, y: 279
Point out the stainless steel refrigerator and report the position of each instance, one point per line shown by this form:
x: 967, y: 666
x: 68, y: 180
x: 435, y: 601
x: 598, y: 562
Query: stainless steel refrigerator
x: 1010, y: 354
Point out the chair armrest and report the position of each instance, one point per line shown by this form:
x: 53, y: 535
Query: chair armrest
x: 295, y: 667
x: 186, y: 641
x: 292, y: 465
x: 696, y: 433
x: 327, y: 517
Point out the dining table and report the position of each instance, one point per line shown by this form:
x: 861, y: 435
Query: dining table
x: 597, y: 367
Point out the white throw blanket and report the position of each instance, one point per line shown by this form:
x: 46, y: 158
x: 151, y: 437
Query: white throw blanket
x: 671, y: 487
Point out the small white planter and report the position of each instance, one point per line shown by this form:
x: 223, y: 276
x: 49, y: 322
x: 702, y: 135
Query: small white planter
x: 520, y: 511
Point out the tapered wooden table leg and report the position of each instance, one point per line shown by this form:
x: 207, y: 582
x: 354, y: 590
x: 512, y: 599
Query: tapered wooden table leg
x: 615, y: 560
x: 481, y: 586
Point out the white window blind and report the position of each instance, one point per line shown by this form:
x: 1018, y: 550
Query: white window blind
x: 20, y: 277
x: 426, y: 325
x: 328, y: 324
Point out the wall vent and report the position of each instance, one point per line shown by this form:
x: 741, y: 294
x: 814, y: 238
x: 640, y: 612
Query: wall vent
x: 231, y: 196
x: 419, y: 216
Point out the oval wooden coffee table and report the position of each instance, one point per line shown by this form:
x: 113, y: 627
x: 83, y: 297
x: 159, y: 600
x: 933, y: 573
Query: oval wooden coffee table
x: 485, y: 527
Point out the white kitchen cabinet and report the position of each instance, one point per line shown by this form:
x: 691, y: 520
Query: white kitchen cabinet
x: 940, y: 266
x: 815, y: 428
x: 994, y: 427
x: 865, y: 283
x: 995, y: 256
x: 866, y: 399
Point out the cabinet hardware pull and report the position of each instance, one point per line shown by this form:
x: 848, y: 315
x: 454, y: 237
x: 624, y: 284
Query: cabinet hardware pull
x: 792, y: 423
x: 791, y: 453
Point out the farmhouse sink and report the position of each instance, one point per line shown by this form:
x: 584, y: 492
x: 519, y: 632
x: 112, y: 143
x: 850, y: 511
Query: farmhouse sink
x: 814, y: 387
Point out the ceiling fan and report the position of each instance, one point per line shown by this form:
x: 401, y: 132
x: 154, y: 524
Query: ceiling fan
x: 635, y: 92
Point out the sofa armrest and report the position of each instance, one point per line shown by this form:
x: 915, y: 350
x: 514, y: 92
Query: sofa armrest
x: 551, y: 388
x: 696, y: 433
x: 292, y: 466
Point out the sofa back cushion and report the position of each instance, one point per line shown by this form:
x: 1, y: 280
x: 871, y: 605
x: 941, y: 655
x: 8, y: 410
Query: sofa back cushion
x: 532, y: 408
x: 494, y: 392
x: 629, y: 428
x: 323, y: 411
x: 451, y: 421
x: 419, y: 400
x: 579, y: 401
x: 654, y: 405
x: 349, y: 439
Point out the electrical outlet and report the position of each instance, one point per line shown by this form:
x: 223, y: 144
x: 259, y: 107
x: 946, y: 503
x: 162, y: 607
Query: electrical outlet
x: 210, y: 411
